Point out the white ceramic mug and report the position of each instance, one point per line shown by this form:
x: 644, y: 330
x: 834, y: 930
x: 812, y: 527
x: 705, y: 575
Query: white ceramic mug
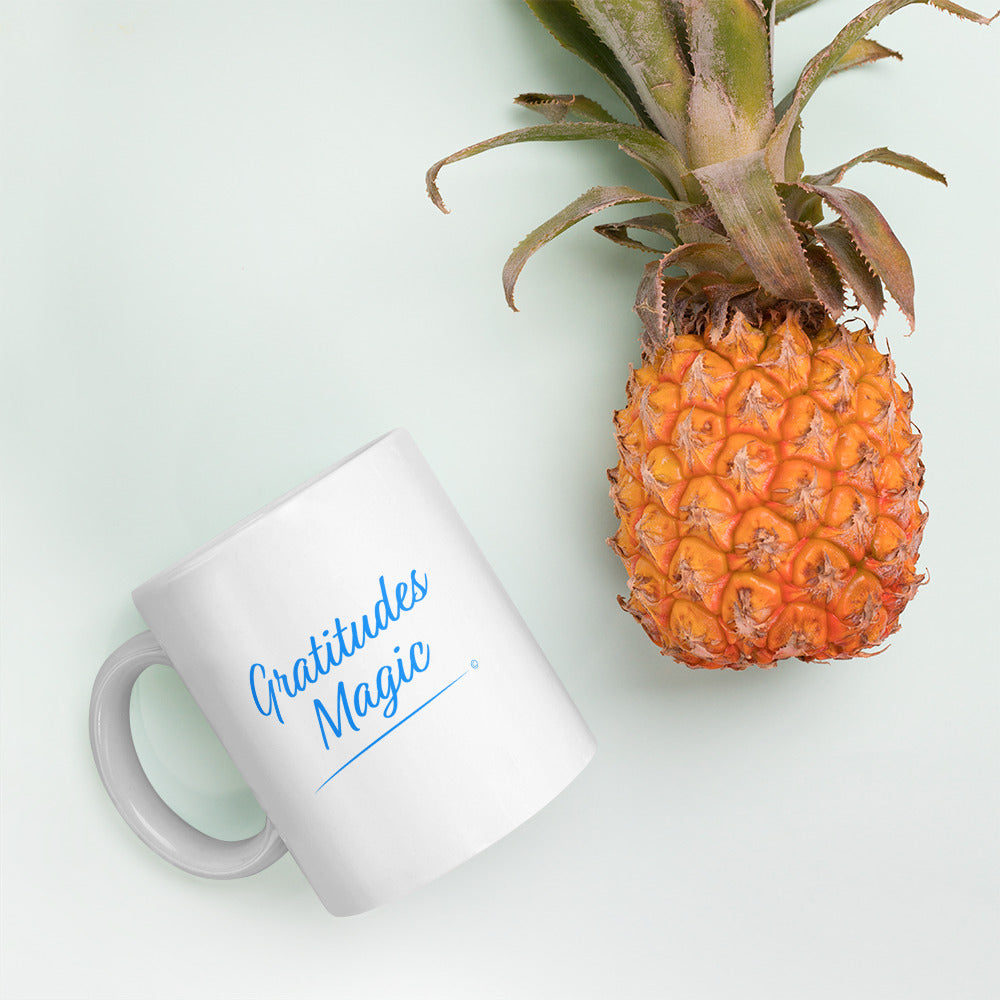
x: 370, y: 678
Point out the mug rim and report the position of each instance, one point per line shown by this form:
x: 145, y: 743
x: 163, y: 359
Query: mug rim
x: 199, y: 555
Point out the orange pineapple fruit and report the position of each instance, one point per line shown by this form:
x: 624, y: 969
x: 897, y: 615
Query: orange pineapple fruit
x: 768, y: 492
x: 769, y: 474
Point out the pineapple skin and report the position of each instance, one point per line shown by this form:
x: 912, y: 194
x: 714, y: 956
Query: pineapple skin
x: 768, y: 492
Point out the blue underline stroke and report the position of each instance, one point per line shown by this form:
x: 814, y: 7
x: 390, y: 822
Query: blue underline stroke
x: 390, y: 729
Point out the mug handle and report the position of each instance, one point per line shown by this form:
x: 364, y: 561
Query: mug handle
x: 153, y: 821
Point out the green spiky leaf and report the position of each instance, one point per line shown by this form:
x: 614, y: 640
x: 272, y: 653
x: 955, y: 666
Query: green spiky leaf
x: 852, y: 267
x: 569, y: 27
x: 695, y: 258
x: 643, y: 37
x: 744, y: 198
x: 880, y: 155
x: 700, y: 224
x: 787, y: 8
x: 595, y: 200
x: 653, y: 152
x: 560, y: 107
x: 826, y: 278
x: 650, y: 305
x: 877, y: 243
x: 730, y: 109
x: 705, y: 265
x: 660, y: 224
x: 801, y: 206
x: 826, y: 62
x: 863, y: 52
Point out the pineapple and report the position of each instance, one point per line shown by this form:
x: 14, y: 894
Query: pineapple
x: 769, y: 474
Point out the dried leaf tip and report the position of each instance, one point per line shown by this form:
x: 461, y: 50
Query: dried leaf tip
x: 432, y: 189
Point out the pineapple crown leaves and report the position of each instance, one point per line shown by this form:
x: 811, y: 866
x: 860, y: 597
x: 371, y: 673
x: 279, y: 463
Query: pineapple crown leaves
x: 741, y: 217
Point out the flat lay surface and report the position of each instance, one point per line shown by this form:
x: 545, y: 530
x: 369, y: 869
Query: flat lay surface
x: 221, y: 274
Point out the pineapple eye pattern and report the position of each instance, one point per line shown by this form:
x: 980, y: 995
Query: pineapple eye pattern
x: 803, y: 527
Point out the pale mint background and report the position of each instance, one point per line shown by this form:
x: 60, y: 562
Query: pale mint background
x: 220, y: 273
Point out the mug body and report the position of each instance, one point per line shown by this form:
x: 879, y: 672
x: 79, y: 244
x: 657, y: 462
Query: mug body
x: 369, y: 676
